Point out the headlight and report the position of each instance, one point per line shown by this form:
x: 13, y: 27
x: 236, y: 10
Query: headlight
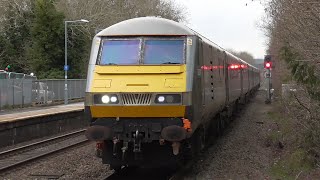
x: 106, y: 99
x: 161, y: 99
x: 114, y: 99
x: 168, y: 99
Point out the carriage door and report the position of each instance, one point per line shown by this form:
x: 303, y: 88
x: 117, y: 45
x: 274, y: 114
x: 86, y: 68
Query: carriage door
x: 249, y: 78
x: 226, y: 69
x: 241, y: 79
x: 201, y: 73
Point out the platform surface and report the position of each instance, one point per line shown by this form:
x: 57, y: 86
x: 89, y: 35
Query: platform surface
x: 27, y: 113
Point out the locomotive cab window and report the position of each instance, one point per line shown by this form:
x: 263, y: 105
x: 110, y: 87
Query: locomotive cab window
x: 120, y: 52
x: 164, y: 52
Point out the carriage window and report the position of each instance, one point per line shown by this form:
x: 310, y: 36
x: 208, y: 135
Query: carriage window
x: 164, y: 52
x: 120, y: 52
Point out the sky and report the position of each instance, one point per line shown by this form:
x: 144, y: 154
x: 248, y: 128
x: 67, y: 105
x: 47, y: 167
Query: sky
x: 229, y: 23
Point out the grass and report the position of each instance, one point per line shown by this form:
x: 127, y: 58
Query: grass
x: 10, y: 107
x: 285, y: 79
x: 293, y: 159
x: 291, y: 165
x: 7, y: 106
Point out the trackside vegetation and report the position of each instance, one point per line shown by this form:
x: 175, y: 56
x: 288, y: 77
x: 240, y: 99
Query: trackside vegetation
x: 32, y: 31
x: 293, y: 31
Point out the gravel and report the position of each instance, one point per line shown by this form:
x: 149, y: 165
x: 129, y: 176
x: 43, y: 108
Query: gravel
x: 242, y: 152
x: 77, y: 163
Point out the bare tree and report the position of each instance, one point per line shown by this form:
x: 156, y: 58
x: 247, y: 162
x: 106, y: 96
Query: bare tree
x: 293, y: 28
x: 14, y: 31
x: 103, y: 13
x: 243, y: 55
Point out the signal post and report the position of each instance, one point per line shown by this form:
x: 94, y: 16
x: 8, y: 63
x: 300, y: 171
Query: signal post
x: 268, y: 66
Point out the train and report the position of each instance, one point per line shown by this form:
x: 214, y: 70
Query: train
x: 157, y: 91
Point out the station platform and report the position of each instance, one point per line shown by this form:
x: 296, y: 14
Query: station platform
x: 33, y: 112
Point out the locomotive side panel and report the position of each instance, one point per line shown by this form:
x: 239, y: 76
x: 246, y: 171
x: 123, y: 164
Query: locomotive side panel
x: 250, y: 77
x: 214, y: 81
x: 234, y: 78
x: 254, y: 78
x: 208, y: 81
x: 245, y: 79
x: 217, y: 85
x: 220, y: 88
x: 198, y: 94
x: 257, y: 78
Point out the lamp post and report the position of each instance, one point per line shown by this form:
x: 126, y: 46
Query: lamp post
x: 66, y: 68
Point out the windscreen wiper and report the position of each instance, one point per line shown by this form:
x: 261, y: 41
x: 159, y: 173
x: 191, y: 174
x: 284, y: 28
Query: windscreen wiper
x: 112, y: 64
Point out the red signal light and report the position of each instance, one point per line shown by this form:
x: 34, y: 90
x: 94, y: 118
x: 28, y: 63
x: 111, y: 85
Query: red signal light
x: 267, y: 65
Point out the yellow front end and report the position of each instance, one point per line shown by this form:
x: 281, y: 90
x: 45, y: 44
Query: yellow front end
x: 137, y: 87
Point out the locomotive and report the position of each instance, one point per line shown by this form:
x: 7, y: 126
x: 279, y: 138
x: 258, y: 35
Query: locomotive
x: 156, y: 90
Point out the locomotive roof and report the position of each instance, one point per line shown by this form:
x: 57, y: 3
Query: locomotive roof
x: 151, y: 26
x: 155, y: 26
x: 146, y: 26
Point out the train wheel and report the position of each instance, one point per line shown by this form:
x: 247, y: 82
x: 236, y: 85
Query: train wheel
x: 115, y: 167
x: 198, y: 141
x: 211, y: 132
x: 202, y: 139
x: 108, y: 158
x: 185, y: 154
x: 221, y: 125
x: 237, y: 108
x: 98, y: 153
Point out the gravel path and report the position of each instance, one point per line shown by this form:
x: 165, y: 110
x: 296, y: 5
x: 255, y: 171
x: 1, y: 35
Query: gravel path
x: 242, y: 152
x: 78, y: 163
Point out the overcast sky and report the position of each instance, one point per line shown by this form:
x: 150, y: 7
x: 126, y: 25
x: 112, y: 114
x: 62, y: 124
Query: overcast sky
x: 228, y: 23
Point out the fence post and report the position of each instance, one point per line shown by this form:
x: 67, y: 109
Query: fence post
x: 7, y: 95
x: 13, y: 93
x: 58, y: 98
x: 46, y: 92
x: 22, y: 95
x: 1, y: 94
x: 38, y: 92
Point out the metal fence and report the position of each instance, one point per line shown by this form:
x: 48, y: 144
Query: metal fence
x: 13, y: 75
x: 25, y: 92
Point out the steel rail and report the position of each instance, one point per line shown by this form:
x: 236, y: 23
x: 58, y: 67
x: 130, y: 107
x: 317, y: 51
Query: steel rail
x: 178, y: 175
x: 41, y: 152
x: 3, y: 153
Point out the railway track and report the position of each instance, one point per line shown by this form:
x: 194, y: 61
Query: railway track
x: 141, y: 174
x: 154, y: 174
x: 19, y: 156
